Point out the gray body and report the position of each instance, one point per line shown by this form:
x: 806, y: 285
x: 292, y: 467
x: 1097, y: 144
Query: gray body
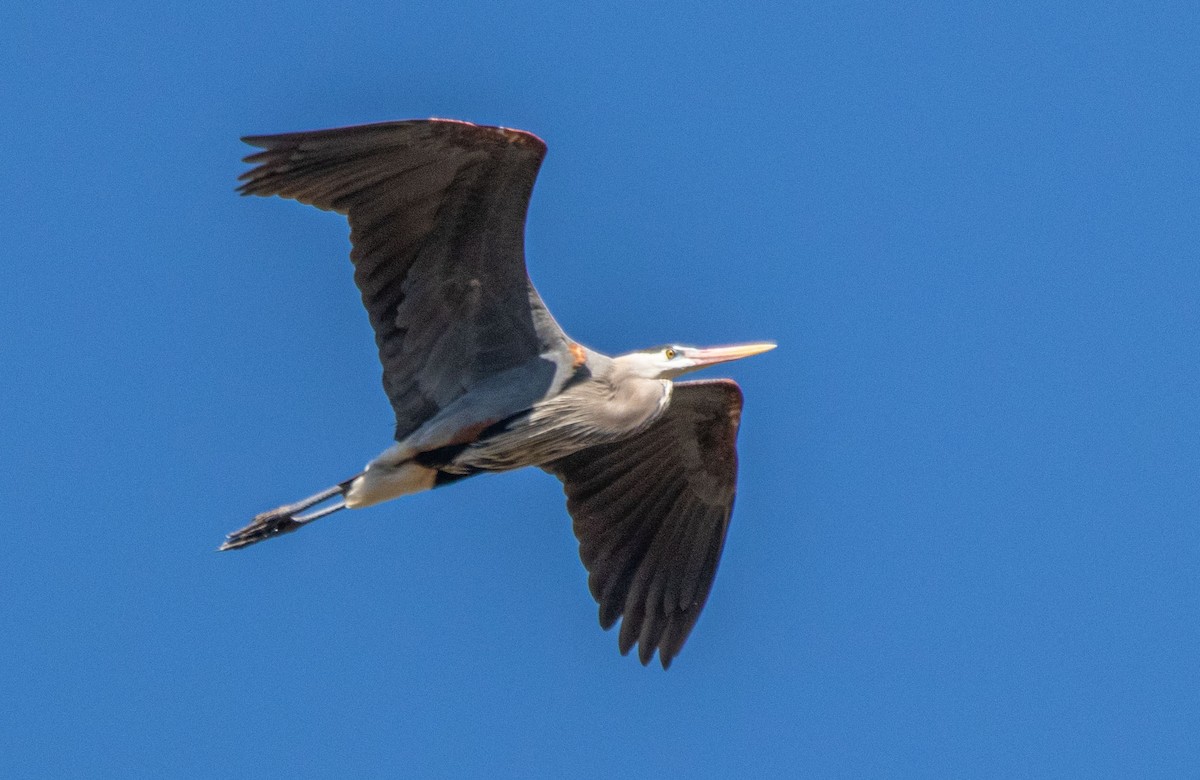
x: 601, y: 404
x: 481, y: 377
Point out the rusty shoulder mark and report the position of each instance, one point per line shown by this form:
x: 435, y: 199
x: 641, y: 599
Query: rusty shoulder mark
x: 578, y: 355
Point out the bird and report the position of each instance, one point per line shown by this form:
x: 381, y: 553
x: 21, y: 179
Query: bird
x: 482, y: 378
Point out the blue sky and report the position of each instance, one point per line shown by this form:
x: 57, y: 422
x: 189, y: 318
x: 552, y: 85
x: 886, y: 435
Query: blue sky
x: 966, y: 535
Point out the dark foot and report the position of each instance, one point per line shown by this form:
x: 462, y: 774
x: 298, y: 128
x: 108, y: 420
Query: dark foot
x: 274, y: 523
x: 286, y: 519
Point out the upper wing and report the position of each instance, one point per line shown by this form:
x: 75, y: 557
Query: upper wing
x: 651, y: 514
x: 437, y: 222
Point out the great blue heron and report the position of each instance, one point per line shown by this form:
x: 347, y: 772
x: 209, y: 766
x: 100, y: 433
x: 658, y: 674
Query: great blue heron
x: 482, y: 378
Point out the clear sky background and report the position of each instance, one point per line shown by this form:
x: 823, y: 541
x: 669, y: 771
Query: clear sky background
x: 966, y: 540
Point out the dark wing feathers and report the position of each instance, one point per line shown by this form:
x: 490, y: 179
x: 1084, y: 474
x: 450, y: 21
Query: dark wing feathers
x: 437, y: 221
x: 651, y: 515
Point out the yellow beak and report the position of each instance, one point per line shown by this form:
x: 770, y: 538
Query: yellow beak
x: 708, y: 356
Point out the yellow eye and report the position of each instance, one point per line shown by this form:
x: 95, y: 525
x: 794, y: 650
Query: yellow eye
x: 670, y: 353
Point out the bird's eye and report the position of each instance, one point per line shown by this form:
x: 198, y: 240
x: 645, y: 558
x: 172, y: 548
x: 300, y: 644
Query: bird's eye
x: 670, y: 353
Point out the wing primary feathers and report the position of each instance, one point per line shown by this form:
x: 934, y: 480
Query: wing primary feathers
x: 651, y: 514
x: 436, y: 211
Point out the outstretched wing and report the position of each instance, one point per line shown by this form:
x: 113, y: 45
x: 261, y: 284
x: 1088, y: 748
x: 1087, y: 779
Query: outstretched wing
x: 651, y: 514
x: 437, y: 223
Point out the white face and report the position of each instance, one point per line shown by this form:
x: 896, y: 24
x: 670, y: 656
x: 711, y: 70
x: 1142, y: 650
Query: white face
x: 664, y: 363
x: 673, y: 361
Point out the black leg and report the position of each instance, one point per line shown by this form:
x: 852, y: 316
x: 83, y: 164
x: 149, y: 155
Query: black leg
x: 286, y: 519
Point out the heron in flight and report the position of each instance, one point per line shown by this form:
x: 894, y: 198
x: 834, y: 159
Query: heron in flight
x: 481, y: 377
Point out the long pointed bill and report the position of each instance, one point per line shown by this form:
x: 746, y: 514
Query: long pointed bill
x: 708, y: 356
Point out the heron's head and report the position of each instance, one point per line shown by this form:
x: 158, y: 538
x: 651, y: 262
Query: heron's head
x: 668, y: 362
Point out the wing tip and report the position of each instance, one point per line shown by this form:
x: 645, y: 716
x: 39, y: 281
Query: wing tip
x: 261, y: 141
x: 434, y: 124
x: 664, y: 639
x: 280, y: 152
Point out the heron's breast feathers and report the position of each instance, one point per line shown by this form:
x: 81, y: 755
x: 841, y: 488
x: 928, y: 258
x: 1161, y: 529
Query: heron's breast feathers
x: 584, y: 415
